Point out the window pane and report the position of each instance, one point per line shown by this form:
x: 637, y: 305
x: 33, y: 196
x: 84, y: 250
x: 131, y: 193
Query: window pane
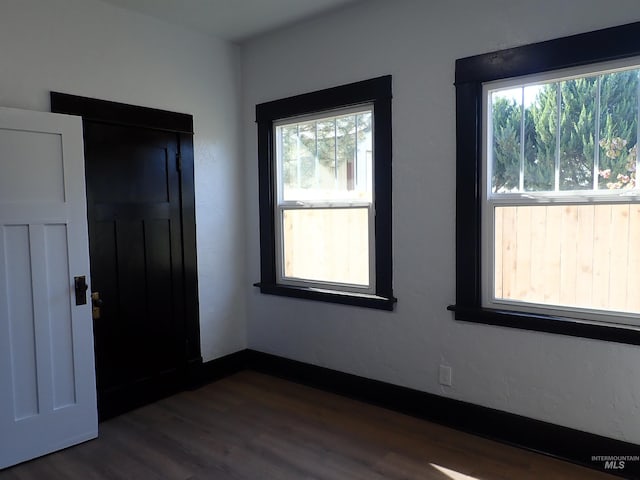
x: 328, y: 159
x: 345, y: 152
x: 506, y: 110
x: 327, y: 245
x: 307, y: 155
x: 577, y: 133
x: 298, y: 157
x: 618, y: 129
x: 541, y: 132
x: 583, y: 256
x: 326, y: 154
x: 598, y: 118
x: 364, y: 155
x: 288, y: 138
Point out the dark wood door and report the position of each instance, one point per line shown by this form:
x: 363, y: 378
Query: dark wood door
x: 135, y: 241
x: 141, y: 208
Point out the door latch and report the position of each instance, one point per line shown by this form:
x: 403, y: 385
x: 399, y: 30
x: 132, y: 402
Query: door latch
x: 96, y: 303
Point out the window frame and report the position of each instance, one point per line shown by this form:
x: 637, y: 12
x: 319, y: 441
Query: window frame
x: 282, y: 205
x: 557, y: 197
x: 471, y: 74
x: 375, y: 92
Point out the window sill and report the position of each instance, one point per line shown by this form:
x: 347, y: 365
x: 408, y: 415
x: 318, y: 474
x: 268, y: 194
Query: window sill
x: 345, y: 298
x: 547, y: 323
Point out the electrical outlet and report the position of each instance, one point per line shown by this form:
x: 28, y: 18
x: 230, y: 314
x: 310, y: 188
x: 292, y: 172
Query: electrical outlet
x: 446, y: 375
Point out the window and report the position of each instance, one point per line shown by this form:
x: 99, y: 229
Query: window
x: 548, y: 209
x: 560, y: 206
x: 325, y: 195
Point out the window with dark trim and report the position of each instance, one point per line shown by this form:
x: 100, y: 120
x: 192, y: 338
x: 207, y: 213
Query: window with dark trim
x: 556, y: 66
x: 325, y: 195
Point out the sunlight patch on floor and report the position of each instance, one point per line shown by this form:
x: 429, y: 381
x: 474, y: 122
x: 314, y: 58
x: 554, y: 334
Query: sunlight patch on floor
x: 452, y: 473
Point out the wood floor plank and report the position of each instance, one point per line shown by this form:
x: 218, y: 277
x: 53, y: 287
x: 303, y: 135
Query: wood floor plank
x: 251, y: 426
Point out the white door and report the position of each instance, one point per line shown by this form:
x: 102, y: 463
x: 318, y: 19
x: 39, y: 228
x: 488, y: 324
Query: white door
x: 47, y: 376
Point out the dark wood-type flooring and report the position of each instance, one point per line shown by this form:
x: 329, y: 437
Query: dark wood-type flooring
x: 253, y: 426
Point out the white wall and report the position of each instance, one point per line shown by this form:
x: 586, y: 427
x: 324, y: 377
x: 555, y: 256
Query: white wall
x: 89, y: 48
x: 585, y: 384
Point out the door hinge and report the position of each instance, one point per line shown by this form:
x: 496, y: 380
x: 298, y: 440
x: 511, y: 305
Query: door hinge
x: 178, y: 162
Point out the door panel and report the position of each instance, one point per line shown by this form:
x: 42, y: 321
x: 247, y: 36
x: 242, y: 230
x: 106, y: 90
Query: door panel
x: 23, y: 151
x: 47, y: 398
x: 133, y: 192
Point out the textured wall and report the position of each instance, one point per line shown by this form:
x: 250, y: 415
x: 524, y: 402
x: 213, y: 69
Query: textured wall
x: 87, y: 47
x: 585, y: 384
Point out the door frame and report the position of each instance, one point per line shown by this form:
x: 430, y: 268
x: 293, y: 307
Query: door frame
x: 103, y: 111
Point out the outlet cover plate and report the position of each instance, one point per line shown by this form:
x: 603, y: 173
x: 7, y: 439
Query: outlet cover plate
x: 446, y: 375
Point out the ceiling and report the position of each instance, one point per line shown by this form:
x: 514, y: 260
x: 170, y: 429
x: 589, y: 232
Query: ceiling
x: 233, y: 20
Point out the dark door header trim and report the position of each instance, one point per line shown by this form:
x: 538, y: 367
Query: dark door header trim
x: 120, y: 113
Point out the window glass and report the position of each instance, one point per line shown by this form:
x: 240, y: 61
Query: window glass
x: 573, y: 142
x: 568, y: 135
x: 326, y: 162
x: 580, y: 256
x: 327, y: 245
x: 326, y: 159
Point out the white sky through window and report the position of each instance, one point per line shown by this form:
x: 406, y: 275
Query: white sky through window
x: 515, y: 94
